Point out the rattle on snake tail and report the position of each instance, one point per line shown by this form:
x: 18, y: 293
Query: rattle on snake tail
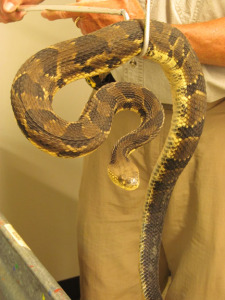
x: 99, y: 52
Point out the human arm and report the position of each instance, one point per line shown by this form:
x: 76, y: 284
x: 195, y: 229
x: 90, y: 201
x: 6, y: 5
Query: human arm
x: 8, y: 9
x: 207, y: 39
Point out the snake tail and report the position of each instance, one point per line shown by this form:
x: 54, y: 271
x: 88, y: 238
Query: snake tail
x: 172, y: 51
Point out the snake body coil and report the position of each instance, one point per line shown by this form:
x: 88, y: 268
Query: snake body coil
x: 52, y: 68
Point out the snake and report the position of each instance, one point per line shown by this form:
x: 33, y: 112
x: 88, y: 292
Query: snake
x: 97, y: 53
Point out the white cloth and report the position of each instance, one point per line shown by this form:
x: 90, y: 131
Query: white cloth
x: 149, y: 74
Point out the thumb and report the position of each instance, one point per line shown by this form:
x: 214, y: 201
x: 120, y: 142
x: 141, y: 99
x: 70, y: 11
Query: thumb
x: 10, y: 6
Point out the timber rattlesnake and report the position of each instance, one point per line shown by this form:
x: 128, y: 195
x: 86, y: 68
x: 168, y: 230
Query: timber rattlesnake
x: 52, y: 68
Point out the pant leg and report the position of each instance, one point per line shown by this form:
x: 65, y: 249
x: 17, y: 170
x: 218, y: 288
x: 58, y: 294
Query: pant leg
x: 108, y: 230
x: 194, y: 237
x: 109, y: 222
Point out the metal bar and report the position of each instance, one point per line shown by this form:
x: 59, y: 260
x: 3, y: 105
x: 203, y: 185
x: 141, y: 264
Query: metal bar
x: 22, y: 276
x: 147, y: 28
x: 79, y: 9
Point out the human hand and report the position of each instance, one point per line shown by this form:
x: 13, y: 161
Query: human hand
x: 92, y: 22
x: 8, y: 9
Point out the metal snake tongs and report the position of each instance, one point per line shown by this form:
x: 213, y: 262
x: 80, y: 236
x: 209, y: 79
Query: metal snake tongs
x: 147, y: 28
x: 79, y: 9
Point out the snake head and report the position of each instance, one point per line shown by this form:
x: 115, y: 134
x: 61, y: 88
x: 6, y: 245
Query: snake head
x: 124, y: 174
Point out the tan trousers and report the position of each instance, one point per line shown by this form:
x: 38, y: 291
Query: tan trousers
x: 194, y: 231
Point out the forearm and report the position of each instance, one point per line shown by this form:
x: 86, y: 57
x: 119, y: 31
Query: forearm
x: 207, y: 39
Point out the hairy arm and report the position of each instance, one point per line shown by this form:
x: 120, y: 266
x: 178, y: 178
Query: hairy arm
x: 207, y: 39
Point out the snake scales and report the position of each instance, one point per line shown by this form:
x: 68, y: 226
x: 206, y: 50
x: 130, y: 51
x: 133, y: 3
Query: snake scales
x: 52, y: 68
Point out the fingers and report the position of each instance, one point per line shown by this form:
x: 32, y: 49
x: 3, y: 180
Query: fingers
x: 56, y: 15
x: 88, y: 22
x: 92, y: 22
x: 8, y: 11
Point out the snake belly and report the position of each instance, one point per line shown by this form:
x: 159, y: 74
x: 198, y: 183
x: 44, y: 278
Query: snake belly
x: 52, y: 68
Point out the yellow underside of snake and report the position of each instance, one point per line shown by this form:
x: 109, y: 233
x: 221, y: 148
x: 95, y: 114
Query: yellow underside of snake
x: 52, y: 68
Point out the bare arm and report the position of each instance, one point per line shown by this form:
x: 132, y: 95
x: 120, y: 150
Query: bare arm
x: 207, y: 39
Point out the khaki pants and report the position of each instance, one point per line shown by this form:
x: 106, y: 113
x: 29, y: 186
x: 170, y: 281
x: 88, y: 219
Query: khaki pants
x: 194, y: 232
